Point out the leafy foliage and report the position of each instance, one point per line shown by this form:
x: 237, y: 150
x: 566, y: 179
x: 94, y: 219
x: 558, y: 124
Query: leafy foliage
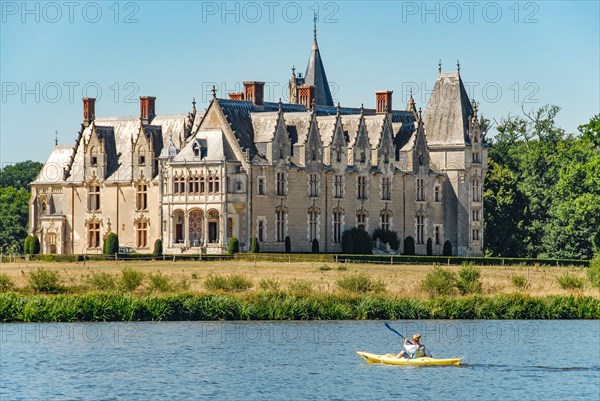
x: 158, y: 248
x: 387, y: 237
x: 594, y: 271
x: 47, y: 281
x: 6, y: 283
x: 130, y: 279
x: 20, y: 175
x: 469, y: 280
x: 111, y: 244
x: 233, y: 246
x: 255, y: 247
x: 520, y: 282
x: 233, y: 283
x: 439, y: 281
x: 569, y: 281
x: 103, y: 281
x: 356, y: 241
x: 14, y: 209
x: 360, y: 283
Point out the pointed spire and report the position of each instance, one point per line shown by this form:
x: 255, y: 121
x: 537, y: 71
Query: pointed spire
x: 440, y: 66
x: 475, y: 108
x: 315, y: 25
x: 194, y: 103
x: 214, y: 91
x: 458, y: 66
x: 55, y: 138
x: 315, y: 74
x: 420, y: 115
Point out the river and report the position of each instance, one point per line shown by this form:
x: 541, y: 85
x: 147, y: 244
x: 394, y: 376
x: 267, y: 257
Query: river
x: 508, y: 360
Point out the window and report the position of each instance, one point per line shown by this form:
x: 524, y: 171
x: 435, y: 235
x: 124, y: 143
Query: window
x: 338, y: 189
x: 261, y: 230
x: 193, y: 185
x: 313, y: 155
x: 475, y: 234
x: 228, y: 185
x: 196, y: 149
x: 202, y: 185
x: 362, y: 187
x: 337, y: 226
x: 141, y: 160
x: 141, y: 237
x: 238, y: 186
x: 437, y: 235
x: 216, y: 184
x: 420, y: 189
x: 475, y: 215
x: 261, y: 186
x: 363, y: 157
x: 178, y: 185
x: 385, y: 221
x: 281, y: 184
x: 313, y: 187
x: 312, y: 224
x: 142, y: 197
x: 475, y: 157
x: 94, y: 161
x: 211, y: 185
x: 280, y: 216
x: 420, y: 229
x: 386, y: 158
x: 386, y: 189
x: 476, y: 191
x: 281, y: 153
x: 94, y: 234
x: 94, y: 198
x: 437, y: 193
x: 338, y: 156
x: 361, y: 221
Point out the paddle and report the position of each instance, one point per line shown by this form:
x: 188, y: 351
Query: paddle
x: 392, y: 329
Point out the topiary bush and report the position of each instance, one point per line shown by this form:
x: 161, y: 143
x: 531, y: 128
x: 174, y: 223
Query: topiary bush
x: 387, y: 237
x: 27, y: 245
x: 439, y: 281
x: 288, y: 244
x: 34, y: 246
x: 429, y: 247
x: 158, y: 248
x: 409, y: 246
x: 254, y: 247
x: 447, y: 248
x: 315, y: 245
x: 357, y: 241
x: 233, y: 246
x: 111, y: 244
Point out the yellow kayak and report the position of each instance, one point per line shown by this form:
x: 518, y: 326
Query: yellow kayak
x: 391, y: 359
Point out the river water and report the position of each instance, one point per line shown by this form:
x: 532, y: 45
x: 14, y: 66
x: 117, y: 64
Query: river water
x: 504, y: 360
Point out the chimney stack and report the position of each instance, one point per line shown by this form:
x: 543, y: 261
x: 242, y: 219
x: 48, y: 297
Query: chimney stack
x: 254, y: 91
x: 306, y: 95
x: 383, y: 101
x: 89, y: 110
x: 236, y: 96
x: 147, y: 110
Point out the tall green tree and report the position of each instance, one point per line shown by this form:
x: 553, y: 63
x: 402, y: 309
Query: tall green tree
x: 20, y: 175
x: 14, y: 204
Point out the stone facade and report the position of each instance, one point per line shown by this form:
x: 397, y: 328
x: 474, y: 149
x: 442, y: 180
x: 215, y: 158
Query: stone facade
x: 249, y: 168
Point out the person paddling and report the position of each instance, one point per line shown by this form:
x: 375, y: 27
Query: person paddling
x: 414, y: 350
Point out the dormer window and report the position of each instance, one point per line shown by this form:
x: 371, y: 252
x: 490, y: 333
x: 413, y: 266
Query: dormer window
x: 281, y: 156
x: 313, y: 155
x: 363, y: 157
x: 200, y: 150
x: 476, y: 138
x: 386, y: 158
x: 338, y: 156
x: 196, y: 149
x: 93, y: 161
x: 141, y: 160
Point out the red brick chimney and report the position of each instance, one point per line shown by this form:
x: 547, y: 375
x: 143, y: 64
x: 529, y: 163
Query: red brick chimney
x: 306, y: 95
x: 383, y: 101
x: 147, y: 110
x: 236, y: 96
x: 254, y: 91
x: 89, y: 110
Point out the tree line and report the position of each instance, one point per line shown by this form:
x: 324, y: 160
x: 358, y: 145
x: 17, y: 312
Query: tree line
x: 541, y: 192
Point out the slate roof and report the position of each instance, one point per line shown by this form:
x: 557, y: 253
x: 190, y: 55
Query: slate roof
x: 315, y: 76
x: 53, y: 169
x: 448, y: 111
x: 211, y: 140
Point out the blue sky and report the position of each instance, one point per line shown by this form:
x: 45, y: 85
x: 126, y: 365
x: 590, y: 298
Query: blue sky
x: 513, y: 55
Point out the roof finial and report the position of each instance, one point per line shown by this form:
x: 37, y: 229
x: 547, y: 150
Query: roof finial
x: 411, y: 95
x: 475, y: 108
x: 458, y: 66
x: 280, y: 105
x: 55, y: 138
x: 293, y: 70
x: 315, y: 24
x: 440, y: 66
x: 420, y: 115
x: 338, y: 108
x: 214, y: 91
x: 362, y: 108
x: 194, y: 103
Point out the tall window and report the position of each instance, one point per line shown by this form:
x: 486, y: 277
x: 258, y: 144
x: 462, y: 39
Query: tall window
x: 437, y: 193
x: 386, y: 189
x: 193, y: 184
x: 420, y: 189
x: 141, y: 157
x: 475, y: 157
x: 420, y: 229
x: 313, y: 185
x: 261, y: 230
x: 476, y: 191
x: 178, y: 185
x: 437, y: 235
x: 216, y: 185
x: 475, y: 234
x: 361, y: 221
x: 312, y: 224
x: 475, y: 214
x: 94, y: 234
x: 202, y: 185
x: 261, y: 186
x: 141, y: 238
x: 362, y: 187
x: 385, y: 221
x: 281, y: 184
x: 94, y: 197
x: 338, y: 190
x: 211, y: 184
x: 337, y: 226
x: 280, y: 225
x: 142, y: 197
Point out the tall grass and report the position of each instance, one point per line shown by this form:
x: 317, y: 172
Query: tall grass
x: 103, y: 281
x: 360, y: 283
x: 439, y: 281
x: 45, y: 281
x: 130, y: 279
x: 232, y: 283
x: 279, y: 305
x: 469, y: 279
x: 6, y: 283
x: 568, y: 281
x: 159, y: 282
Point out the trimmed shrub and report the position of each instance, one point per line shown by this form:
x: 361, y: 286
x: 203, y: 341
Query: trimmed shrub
x: 429, y: 247
x: 288, y: 244
x: 130, y: 279
x: 360, y: 283
x: 593, y: 271
x: 6, y: 283
x: 233, y: 246
x: 357, y: 241
x: 315, y: 245
x: 520, y: 282
x: 103, y: 281
x: 158, y: 248
x: 468, y: 281
x: 447, y: 248
x: 46, y: 281
x: 111, y: 244
x: 34, y: 246
x: 254, y: 247
x: 27, y: 245
x: 387, y: 237
x: 159, y: 282
x: 409, y: 246
x: 439, y: 281
x: 570, y: 282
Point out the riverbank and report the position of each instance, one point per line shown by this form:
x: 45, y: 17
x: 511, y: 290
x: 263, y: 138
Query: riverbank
x: 278, y: 305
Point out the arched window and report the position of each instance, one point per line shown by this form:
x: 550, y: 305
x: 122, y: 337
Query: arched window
x: 141, y: 156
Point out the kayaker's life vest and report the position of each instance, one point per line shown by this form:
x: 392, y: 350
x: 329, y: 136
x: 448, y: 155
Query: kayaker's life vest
x: 420, y: 353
